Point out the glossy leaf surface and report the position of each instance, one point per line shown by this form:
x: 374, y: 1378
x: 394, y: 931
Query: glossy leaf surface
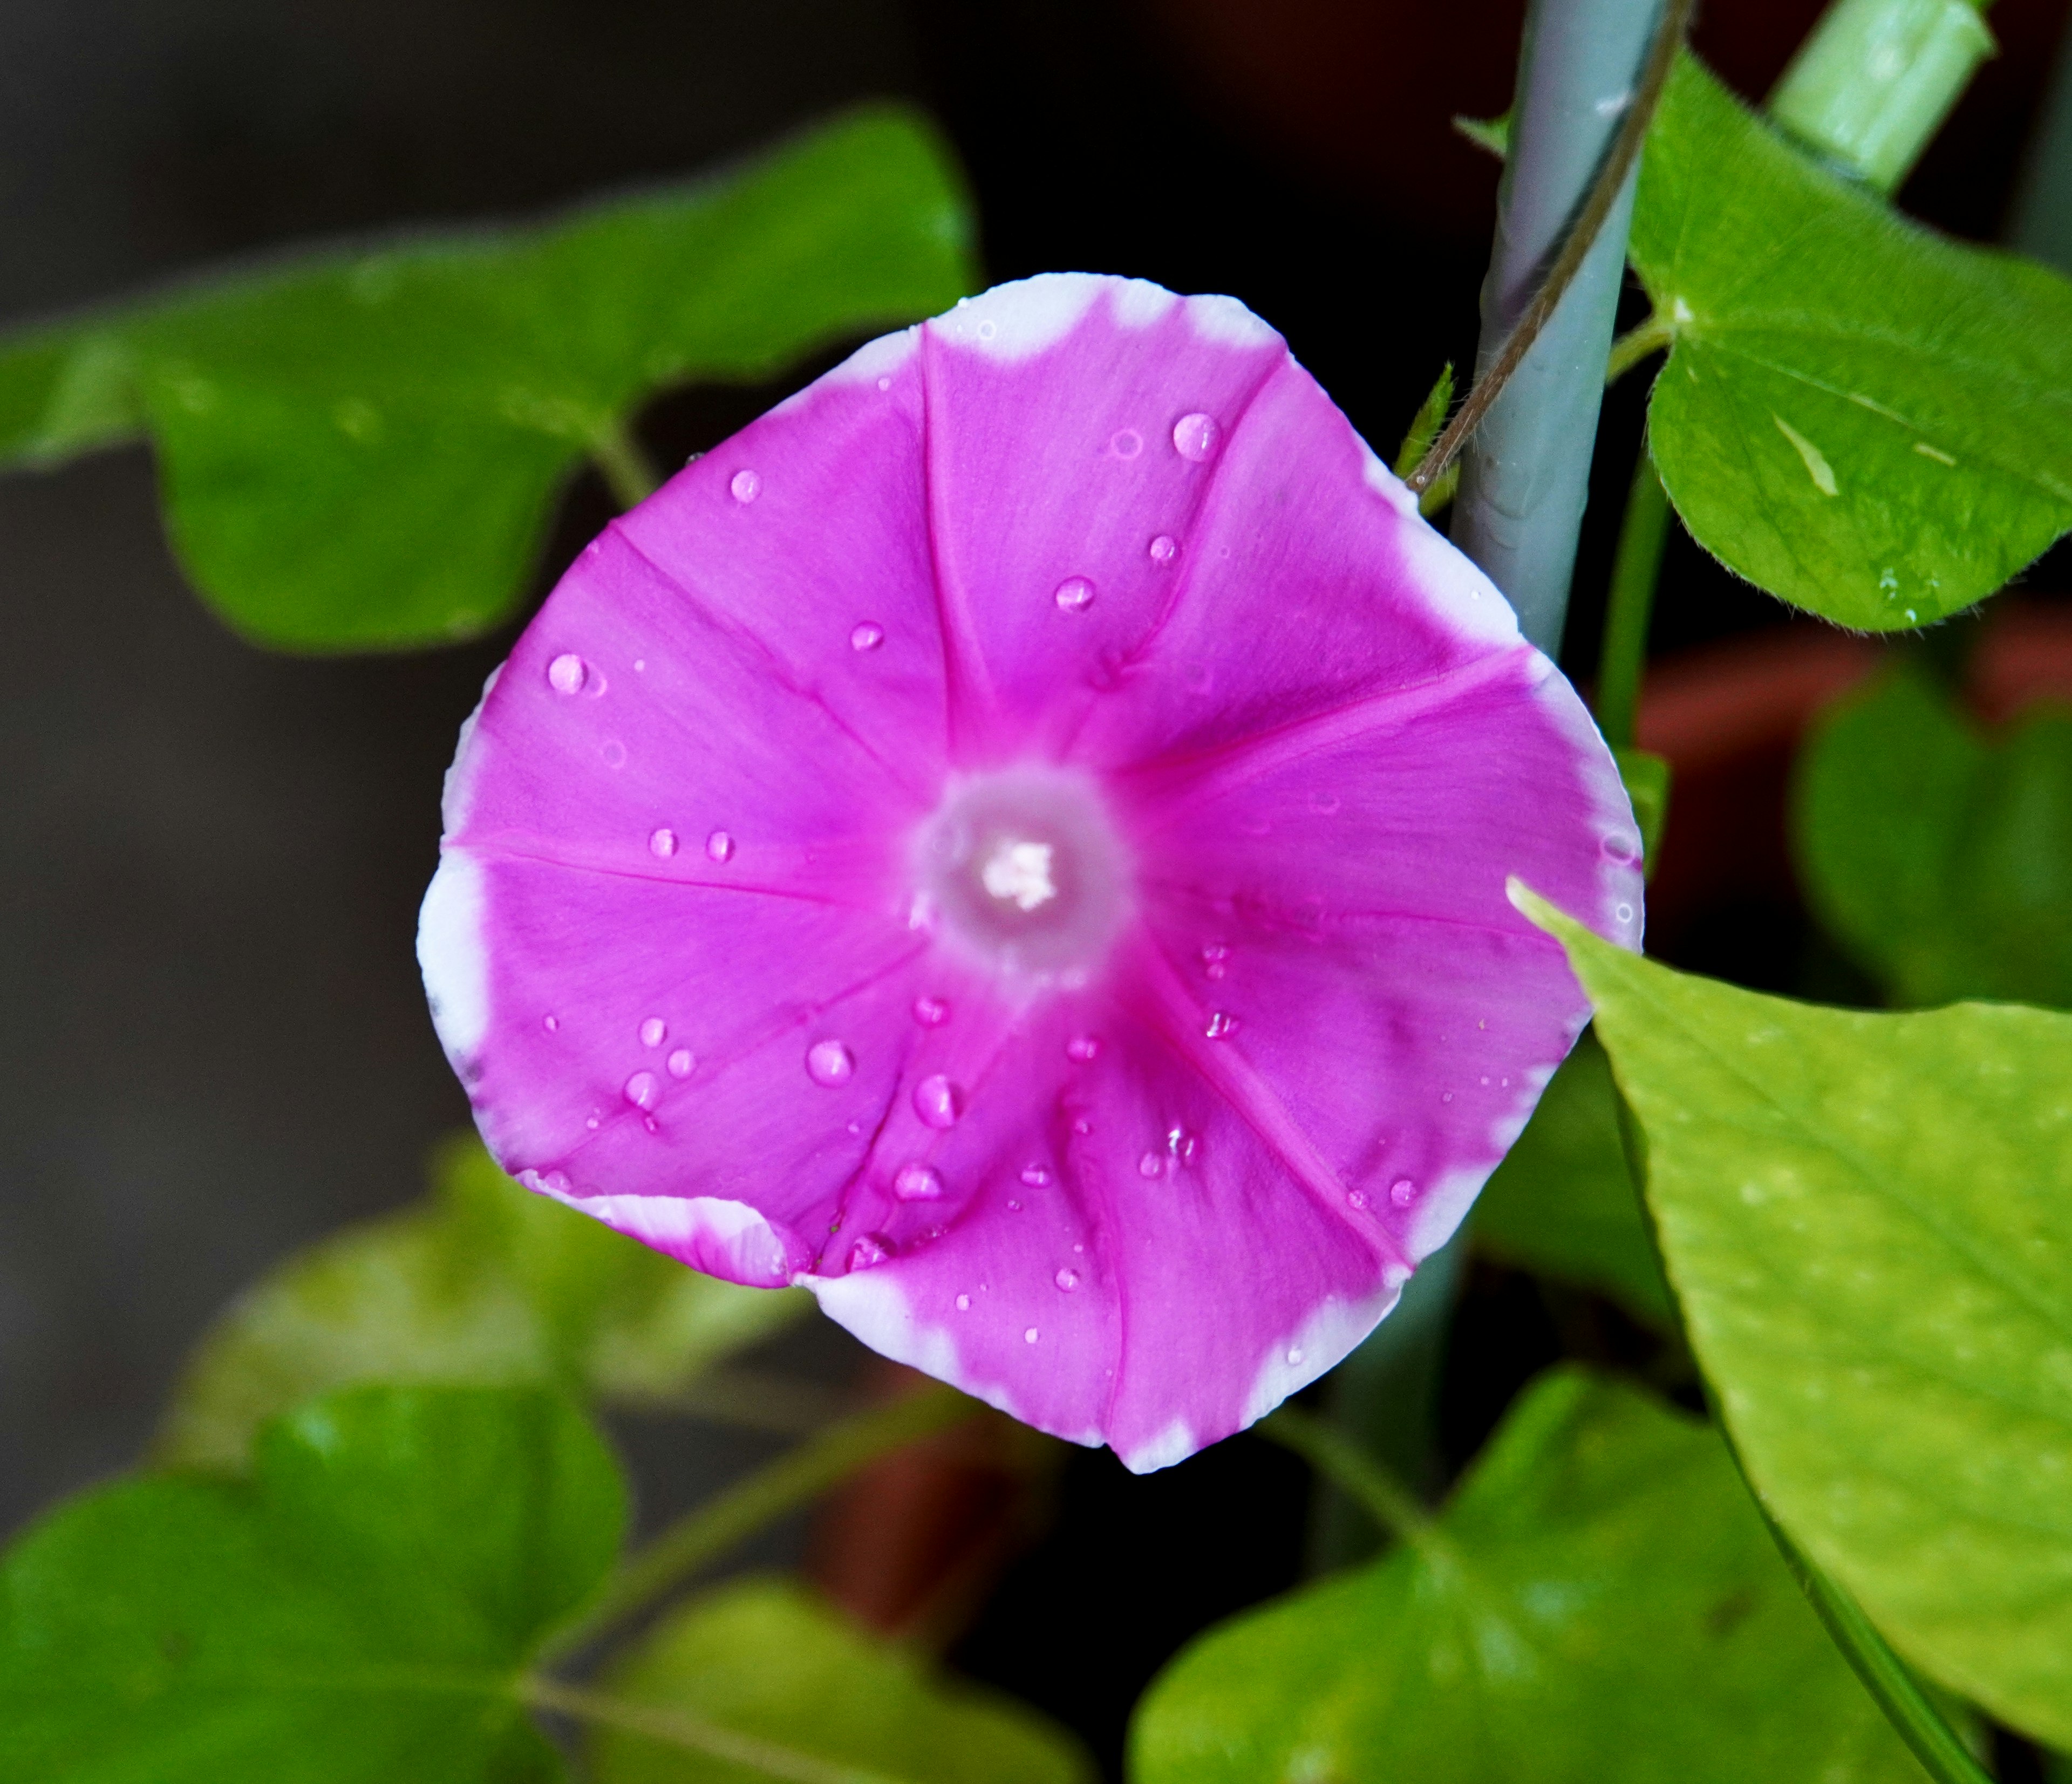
x: 358, y: 450
x: 1867, y: 1220
x: 1599, y: 1604
x: 485, y: 1283
x: 1866, y: 419
x: 356, y: 1613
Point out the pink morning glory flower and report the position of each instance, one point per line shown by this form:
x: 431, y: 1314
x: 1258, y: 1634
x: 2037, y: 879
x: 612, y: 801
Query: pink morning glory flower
x: 1015, y: 841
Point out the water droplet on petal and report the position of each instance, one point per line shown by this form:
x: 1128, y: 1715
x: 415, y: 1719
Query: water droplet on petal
x: 1031, y: 1336
x: 662, y: 845
x: 1082, y: 1126
x: 829, y: 1063
x: 640, y: 1090
x: 1401, y: 1191
x: 565, y: 673
x: 613, y: 753
x: 1075, y: 595
x: 1127, y: 444
x: 1181, y: 1145
x: 1323, y: 802
x: 746, y: 486
x: 917, y: 1183
x: 1215, y: 959
x: 1013, y: 1206
x: 1624, y: 913
x: 869, y: 1249
x: 930, y: 1012
x: 1083, y: 1048
x: 988, y: 329
x: 554, y: 1022
x: 1067, y: 1280
x: 1152, y: 1164
x: 1356, y: 1199
x: 1294, y: 1355
x: 938, y: 1102
x: 1035, y: 1176
x: 719, y: 845
x: 964, y: 1304
x: 653, y: 1032
x: 1164, y: 549
x: 867, y: 636
x: 1220, y: 1026
x: 1623, y: 849
x: 682, y: 1062
x: 592, y: 1123
x: 1194, y: 436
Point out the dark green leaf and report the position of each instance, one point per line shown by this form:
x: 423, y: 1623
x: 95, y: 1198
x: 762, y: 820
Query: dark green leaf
x: 357, y: 1613
x: 1563, y: 1202
x: 1600, y: 1603
x: 486, y: 1282
x: 1864, y: 417
x: 1941, y: 862
x: 1866, y: 1219
x: 765, y: 1660
x: 359, y: 450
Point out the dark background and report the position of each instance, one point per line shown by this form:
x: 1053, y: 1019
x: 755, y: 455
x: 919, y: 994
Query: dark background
x: 213, y: 1046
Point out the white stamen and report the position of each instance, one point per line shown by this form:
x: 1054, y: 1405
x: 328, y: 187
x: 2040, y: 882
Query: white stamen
x: 1020, y: 871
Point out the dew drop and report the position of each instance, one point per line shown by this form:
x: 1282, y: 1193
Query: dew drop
x: 930, y: 1012
x: 1324, y: 803
x: 1031, y: 1336
x: 640, y: 1090
x: 917, y: 1183
x: 1075, y: 595
x: 613, y: 753
x: 964, y: 1304
x: 1013, y: 1206
x: 1067, y: 1280
x: 1220, y: 1026
x: 592, y: 1123
x: 566, y: 674
x: 1294, y: 1355
x: 988, y: 329
x: 884, y: 384
x: 1446, y: 1097
x: 554, y: 1022
x: 682, y: 1062
x: 1624, y: 913
x: 1082, y: 1126
x: 719, y: 846
x: 1127, y: 444
x: 1356, y: 1199
x: 1035, y: 1176
x: 938, y: 1102
x: 653, y: 1032
x: 867, y: 635
x: 746, y: 486
x: 1164, y: 549
x: 1083, y: 1048
x: 1401, y: 1191
x: 866, y: 1251
x: 1181, y: 1145
x: 1623, y: 849
x: 558, y: 1181
x: 1194, y: 436
x: 1215, y: 959
x: 662, y: 844
x: 1152, y: 1164
x: 829, y: 1063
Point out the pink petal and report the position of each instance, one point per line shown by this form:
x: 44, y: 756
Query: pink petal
x: 682, y: 951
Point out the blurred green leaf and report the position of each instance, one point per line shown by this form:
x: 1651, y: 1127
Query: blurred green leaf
x: 1943, y: 862
x: 1866, y: 419
x: 357, y: 1613
x: 765, y: 1659
x: 485, y: 1282
x: 359, y: 450
x: 1600, y: 1603
x: 1867, y: 1220
x: 1563, y: 1202
x: 1647, y: 776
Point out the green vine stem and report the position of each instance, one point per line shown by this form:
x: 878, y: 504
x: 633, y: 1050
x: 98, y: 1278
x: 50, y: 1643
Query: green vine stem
x: 794, y: 1479
x: 1643, y: 532
x: 624, y: 466
x: 1346, y: 1466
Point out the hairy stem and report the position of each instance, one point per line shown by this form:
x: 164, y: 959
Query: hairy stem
x: 1343, y: 1462
x: 795, y: 1479
x: 1643, y: 533
x: 692, y: 1733
x: 625, y: 467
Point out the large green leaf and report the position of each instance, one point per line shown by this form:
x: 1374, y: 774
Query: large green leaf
x: 357, y: 1613
x: 1867, y: 1220
x: 1942, y: 861
x: 358, y: 450
x: 1600, y: 1603
x: 486, y: 1282
x: 1864, y: 417
x: 1563, y: 1202
x: 763, y: 1660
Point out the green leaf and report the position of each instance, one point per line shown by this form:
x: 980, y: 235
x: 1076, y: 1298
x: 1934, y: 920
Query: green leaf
x: 1866, y: 1219
x: 1647, y: 776
x: 1866, y: 419
x: 1943, y: 862
x: 357, y: 1613
x: 1563, y: 1202
x: 359, y: 450
x: 486, y: 1282
x: 1600, y: 1603
x: 765, y: 1660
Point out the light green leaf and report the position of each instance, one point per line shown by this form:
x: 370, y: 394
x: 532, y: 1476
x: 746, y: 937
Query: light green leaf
x: 1866, y: 419
x: 765, y: 1660
x: 1600, y: 1603
x: 1563, y: 1202
x: 485, y: 1282
x: 1867, y: 1220
x: 357, y: 1613
x: 1943, y: 862
x: 359, y: 450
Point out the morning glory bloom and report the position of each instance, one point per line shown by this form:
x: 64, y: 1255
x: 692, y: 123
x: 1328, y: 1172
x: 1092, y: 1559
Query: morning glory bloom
x: 1015, y: 841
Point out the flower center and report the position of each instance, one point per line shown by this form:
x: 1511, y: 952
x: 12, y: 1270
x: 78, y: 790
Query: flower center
x: 1020, y: 869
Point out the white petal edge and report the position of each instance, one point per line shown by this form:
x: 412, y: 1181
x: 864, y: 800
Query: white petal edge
x: 1327, y: 1338
x: 1621, y: 915
x: 1018, y: 320
x: 723, y: 1238
x: 1226, y: 322
x: 451, y: 957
